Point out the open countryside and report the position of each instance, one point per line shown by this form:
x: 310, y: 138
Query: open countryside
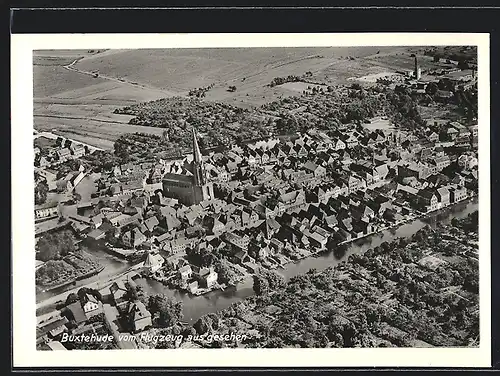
x: 75, y: 104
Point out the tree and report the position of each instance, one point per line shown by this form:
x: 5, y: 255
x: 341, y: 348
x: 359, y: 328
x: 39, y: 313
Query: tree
x: 436, y: 59
x: 132, y: 293
x: 462, y: 64
x: 431, y: 88
x: 41, y: 190
x: 266, y: 281
x: 168, y: 309
x: 55, y: 245
x: 165, y: 136
x: 203, y: 324
x: 77, y: 196
x: 71, y: 298
x: 260, y: 285
x: 225, y: 273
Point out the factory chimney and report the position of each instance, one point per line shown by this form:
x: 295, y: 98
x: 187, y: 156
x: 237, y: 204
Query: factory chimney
x: 417, y: 72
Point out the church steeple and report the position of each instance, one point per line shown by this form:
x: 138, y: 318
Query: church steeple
x: 196, y: 149
x: 199, y: 176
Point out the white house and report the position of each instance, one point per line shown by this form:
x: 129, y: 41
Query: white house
x: 153, y: 262
x: 90, y: 303
x: 49, y: 209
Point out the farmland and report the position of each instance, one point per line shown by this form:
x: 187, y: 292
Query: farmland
x: 72, y: 102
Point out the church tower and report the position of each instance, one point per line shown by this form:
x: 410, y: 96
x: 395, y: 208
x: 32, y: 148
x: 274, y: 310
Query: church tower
x: 192, y: 186
x: 202, y: 190
x: 198, y: 170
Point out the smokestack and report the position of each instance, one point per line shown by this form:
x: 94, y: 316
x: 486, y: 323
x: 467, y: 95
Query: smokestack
x: 417, y: 71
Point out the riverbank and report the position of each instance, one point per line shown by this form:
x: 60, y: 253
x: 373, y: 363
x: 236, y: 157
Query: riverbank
x: 196, y: 306
x: 410, y: 218
x: 96, y: 285
x: 72, y: 281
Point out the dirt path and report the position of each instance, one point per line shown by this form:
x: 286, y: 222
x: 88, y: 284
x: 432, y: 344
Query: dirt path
x: 72, y: 67
x: 55, y: 136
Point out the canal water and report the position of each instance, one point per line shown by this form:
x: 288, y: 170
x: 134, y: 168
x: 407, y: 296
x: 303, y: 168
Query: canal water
x: 197, y: 306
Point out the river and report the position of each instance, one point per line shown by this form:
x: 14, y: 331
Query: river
x: 112, y: 266
x: 197, y: 306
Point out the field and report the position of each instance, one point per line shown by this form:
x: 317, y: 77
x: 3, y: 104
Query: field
x: 70, y: 101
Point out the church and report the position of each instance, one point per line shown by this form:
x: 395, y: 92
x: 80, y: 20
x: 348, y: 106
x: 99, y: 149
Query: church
x: 189, y: 185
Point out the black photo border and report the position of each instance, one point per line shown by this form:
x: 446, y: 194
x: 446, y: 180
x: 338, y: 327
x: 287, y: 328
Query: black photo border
x: 42, y: 19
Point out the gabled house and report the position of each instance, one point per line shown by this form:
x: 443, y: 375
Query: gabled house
x: 443, y: 195
x: 428, y: 200
x: 133, y: 238
x: 153, y: 263
x: 89, y: 303
x: 119, y: 293
x: 139, y: 318
x: 185, y: 272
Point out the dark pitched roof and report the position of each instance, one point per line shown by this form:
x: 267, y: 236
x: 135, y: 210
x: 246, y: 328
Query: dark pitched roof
x: 77, y: 311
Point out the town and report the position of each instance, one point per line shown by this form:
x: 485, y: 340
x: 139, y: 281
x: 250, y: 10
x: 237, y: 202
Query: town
x: 214, y: 211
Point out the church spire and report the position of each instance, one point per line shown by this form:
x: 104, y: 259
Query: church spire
x: 196, y: 149
x: 198, y: 172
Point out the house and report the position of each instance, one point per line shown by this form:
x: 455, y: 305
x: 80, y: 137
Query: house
x: 133, y: 238
x: 457, y: 193
x: 353, y: 184
x: 442, y: 162
x: 291, y: 201
x: 139, y: 317
x: 47, y: 210
x: 56, y: 345
x: 214, y: 225
x: 467, y: 161
x: 89, y: 303
x: 316, y: 239
x: 238, y: 240
x: 428, y: 200
x: 78, y: 150
x: 119, y: 293
x: 185, y: 272
x: 208, y: 277
x: 317, y: 171
x: 473, y: 130
x: 443, y: 195
x: 97, y: 220
x: 276, y: 244
x: 153, y: 263
x: 340, y: 145
x: 63, y: 154
x: 240, y: 257
x: 151, y: 223
x: 192, y: 287
x: 177, y: 245
x: 451, y: 133
x: 52, y: 328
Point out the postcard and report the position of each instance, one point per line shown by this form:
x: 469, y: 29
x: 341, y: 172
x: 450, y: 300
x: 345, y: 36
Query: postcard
x: 251, y: 200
